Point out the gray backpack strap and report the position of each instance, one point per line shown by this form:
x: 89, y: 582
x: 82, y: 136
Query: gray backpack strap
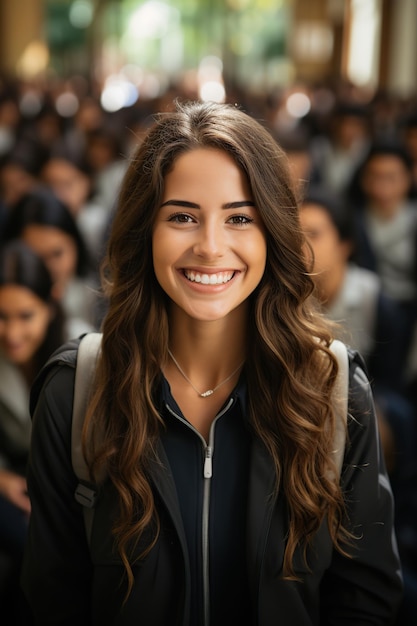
x: 340, y: 396
x: 86, y: 491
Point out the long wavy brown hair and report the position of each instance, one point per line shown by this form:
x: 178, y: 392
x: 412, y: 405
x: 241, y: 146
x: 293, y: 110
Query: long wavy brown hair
x: 290, y: 370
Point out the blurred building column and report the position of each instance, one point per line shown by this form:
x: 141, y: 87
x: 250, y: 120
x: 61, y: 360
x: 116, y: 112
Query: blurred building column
x: 21, y: 33
x: 372, y: 43
x: 317, y: 38
x: 402, y: 61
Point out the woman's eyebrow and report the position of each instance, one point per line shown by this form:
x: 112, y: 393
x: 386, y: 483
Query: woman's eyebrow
x: 238, y: 205
x: 193, y: 205
x: 183, y: 203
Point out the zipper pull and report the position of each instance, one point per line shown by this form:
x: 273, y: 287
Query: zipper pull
x: 208, y: 462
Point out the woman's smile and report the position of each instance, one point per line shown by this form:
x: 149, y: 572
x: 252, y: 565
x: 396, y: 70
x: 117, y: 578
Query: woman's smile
x: 208, y: 278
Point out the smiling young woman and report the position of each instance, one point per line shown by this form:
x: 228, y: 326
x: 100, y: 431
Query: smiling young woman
x: 211, y: 413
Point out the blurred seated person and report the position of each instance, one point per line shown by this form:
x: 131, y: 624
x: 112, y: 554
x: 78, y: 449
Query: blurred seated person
x: 31, y: 328
x: 302, y: 170
x: 18, y: 176
x: 386, y: 227
x: 46, y: 127
x: 69, y: 179
x: 48, y: 227
x: 72, y: 182
x: 340, y: 147
x: 351, y: 294
x: 105, y: 153
x: 89, y: 116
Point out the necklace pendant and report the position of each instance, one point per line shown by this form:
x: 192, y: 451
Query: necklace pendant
x: 207, y: 393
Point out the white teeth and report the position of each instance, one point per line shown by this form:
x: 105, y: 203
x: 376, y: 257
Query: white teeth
x: 209, y: 279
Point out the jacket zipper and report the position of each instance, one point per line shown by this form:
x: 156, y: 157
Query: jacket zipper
x: 207, y: 474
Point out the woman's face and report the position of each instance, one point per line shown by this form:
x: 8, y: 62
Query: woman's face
x: 57, y: 250
x: 209, y: 245
x: 24, y: 321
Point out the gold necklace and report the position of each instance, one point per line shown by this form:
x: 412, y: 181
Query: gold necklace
x: 209, y: 392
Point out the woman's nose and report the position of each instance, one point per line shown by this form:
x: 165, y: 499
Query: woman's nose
x: 210, y: 241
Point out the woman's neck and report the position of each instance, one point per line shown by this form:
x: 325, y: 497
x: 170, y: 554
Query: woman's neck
x: 214, y: 347
x: 206, y: 360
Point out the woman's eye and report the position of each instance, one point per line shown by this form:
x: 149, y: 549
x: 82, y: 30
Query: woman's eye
x: 240, y: 220
x: 180, y: 218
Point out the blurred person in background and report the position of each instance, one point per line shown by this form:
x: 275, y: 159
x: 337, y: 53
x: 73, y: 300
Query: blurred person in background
x: 349, y: 293
x: 46, y: 224
x: 19, y: 172
x: 300, y: 160
x: 47, y: 127
x: 87, y: 118
x: 105, y: 153
x: 31, y: 328
x: 385, y: 111
x: 69, y: 179
x: 371, y: 322
x: 337, y: 150
x: 386, y: 227
x: 72, y: 182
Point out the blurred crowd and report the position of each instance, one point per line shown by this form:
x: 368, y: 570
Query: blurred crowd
x: 353, y: 158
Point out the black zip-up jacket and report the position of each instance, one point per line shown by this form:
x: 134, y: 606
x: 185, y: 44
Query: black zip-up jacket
x: 69, y: 583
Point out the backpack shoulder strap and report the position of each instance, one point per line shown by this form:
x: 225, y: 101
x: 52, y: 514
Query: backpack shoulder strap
x: 340, y: 398
x: 86, y: 491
